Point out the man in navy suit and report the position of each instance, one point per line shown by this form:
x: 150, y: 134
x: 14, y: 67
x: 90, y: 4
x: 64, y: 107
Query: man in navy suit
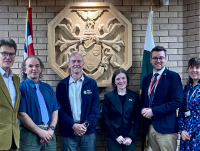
x: 162, y: 95
x: 78, y: 96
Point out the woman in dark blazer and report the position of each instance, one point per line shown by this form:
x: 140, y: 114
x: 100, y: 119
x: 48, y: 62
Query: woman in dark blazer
x: 121, y: 114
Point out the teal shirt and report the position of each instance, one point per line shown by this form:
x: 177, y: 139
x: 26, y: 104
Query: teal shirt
x: 29, y: 101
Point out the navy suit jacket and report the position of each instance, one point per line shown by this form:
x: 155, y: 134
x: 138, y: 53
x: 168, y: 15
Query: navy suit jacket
x: 167, y: 98
x: 90, y: 106
x: 113, y: 114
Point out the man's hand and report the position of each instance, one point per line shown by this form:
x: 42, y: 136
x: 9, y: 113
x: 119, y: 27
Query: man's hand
x: 120, y: 139
x: 79, y: 129
x: 127, y: 141
x: 185, y: 136
x: 50, y: 131
x: 45, y: 136
x: 147, y: 113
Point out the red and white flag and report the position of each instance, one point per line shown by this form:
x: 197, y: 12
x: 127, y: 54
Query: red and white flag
x: 28, y: 46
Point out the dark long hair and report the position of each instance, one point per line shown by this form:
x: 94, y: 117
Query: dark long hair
x: 191, y: 63
x: 118, y: 71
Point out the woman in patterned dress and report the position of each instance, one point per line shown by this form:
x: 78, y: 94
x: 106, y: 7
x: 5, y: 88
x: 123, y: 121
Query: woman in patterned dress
x: 189, y: 113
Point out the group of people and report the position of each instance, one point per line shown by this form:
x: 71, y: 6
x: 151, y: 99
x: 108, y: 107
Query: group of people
x: 162, y: 96
x: 29, y: 110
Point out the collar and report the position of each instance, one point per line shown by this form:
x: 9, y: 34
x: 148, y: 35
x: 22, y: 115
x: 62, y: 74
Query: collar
x: 191, y: 85
x: 159, y: 72
x: 71, y: 80
x: 3, y: 73
x: 32, y: 83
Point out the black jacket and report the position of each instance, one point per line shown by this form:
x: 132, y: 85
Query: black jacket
x: 113, y: 114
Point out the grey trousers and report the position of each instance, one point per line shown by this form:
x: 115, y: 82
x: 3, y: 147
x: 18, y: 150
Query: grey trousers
x: 30, y: 141
x: 85, y: 142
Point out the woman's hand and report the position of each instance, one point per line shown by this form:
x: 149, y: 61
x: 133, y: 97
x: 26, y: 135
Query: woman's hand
x: 127, y: 141
x: 120, y: 140
x: 184, y: 135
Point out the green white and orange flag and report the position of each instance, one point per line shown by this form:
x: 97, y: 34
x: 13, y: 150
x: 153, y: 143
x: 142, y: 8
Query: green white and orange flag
x: 147, y: 68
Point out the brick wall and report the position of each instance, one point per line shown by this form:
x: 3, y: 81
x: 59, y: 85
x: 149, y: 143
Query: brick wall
x: 176, y: 27
x: 191, y: 33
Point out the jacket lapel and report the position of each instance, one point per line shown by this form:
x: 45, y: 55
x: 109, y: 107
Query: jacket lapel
x: 5, y: 90
x: 15, y: 81
x: 116, y: 102
x: 130, y: 99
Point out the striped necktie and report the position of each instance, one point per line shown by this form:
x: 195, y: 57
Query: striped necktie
x: 153, y: 91
x: 43, y: 107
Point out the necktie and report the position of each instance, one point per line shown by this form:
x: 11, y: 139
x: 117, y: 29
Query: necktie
x: 152, y: 92
x: 42, y: 104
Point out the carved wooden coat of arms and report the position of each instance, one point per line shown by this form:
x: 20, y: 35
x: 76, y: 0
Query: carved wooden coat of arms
x: 99, y: 31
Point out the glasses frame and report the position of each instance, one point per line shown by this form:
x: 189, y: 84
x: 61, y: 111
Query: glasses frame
x: 5, y: 54
x: 160, y: 59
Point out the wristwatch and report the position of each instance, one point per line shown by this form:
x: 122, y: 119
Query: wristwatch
x: 86, y: 124
x: 52, y: 127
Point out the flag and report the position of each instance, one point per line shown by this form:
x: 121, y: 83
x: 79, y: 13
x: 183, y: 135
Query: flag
x: 28, y: 46
x: 147, y: 68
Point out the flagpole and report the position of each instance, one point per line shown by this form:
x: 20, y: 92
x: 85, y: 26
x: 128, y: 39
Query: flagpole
x: 29, y: 3
x: 151, y: 5
x: 151, y: 9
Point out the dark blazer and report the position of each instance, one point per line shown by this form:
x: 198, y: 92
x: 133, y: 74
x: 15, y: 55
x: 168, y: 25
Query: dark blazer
x: 114, y: 115
x: 168, y: 97
x: 90, y: 106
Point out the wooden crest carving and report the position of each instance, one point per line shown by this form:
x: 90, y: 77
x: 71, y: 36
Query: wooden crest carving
x: 99, y: 31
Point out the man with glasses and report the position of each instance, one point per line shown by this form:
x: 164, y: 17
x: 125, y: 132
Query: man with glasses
x: 9, y: 97
x: 78, y: 96
x: 162, y: 95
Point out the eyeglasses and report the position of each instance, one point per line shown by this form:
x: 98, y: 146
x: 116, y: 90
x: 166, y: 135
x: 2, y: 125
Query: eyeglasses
x: 4, y: 54
x: 156, y: 59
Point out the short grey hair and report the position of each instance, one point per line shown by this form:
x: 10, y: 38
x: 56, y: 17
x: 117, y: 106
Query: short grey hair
x: 23, y: 66
x: 76, y: 53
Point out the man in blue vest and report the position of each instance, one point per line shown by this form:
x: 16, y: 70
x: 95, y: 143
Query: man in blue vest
x: 78, y: 96
x: 38, y: 110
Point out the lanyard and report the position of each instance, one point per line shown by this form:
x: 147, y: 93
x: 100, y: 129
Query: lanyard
x: 189, y: 98
x: 153, y: 85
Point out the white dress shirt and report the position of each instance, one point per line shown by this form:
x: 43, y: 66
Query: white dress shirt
x: 159, y: 72
x: 10, y: 84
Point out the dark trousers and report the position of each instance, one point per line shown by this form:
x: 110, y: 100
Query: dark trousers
x: 113, y: 145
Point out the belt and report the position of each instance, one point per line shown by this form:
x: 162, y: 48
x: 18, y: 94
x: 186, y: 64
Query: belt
x: 44, y: 125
